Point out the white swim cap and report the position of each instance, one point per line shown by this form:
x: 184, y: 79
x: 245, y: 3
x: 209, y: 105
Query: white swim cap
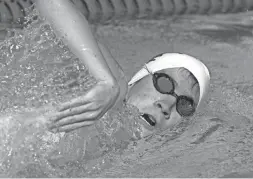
x: 176, y: 60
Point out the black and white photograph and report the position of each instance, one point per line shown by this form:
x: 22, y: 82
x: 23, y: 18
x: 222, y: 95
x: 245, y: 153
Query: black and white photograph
x: 126, y: 89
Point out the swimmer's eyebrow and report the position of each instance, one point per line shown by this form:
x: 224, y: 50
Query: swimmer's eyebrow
x: 175, y: 82
x: 195, y: 90
x: 194, y: 84
x: 189, y: 94
x: 192, y: 81
x: 191, y: 91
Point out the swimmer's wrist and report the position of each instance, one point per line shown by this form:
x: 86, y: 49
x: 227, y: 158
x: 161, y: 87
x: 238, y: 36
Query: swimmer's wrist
x: 112, y: 83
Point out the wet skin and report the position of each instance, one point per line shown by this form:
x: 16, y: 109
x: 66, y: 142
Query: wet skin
x: 162, y: 107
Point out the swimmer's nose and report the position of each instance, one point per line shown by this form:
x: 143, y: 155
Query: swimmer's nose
x: 165, y: 107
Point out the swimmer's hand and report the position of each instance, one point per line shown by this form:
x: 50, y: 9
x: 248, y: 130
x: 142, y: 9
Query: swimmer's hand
x: 85, y: 110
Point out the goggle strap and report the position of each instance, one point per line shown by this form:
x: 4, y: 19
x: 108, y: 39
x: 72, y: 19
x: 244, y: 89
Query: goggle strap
x: 146, y: 67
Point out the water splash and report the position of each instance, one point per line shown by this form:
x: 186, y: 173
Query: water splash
x: 39, y: 69
x: 38, y: 72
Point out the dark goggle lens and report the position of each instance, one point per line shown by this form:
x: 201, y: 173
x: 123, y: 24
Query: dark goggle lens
x: 164, y: 84
x: 185, y: 106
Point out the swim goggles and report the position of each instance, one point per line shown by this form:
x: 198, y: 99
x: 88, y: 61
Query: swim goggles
x: 164, y: 84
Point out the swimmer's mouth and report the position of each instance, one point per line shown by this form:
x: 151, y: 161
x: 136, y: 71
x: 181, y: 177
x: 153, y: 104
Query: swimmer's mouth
x: 149, y: 119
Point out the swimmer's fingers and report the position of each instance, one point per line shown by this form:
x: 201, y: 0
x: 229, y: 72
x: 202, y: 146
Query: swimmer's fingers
x: 102, y: 93
x: 71, y: 127
x: 73, y: 103
x: 71, y: 112
x: 84, y: 117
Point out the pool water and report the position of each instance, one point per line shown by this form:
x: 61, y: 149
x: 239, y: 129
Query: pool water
x: 38, y: 72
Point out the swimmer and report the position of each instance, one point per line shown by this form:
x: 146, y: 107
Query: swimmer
x: 167, y: 89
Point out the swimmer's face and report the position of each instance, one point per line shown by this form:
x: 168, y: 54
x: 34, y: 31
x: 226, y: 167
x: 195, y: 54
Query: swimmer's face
x: 162, y: 107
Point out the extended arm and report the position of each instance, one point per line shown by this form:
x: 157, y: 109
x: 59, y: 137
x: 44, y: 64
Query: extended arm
x: 72, y: 25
